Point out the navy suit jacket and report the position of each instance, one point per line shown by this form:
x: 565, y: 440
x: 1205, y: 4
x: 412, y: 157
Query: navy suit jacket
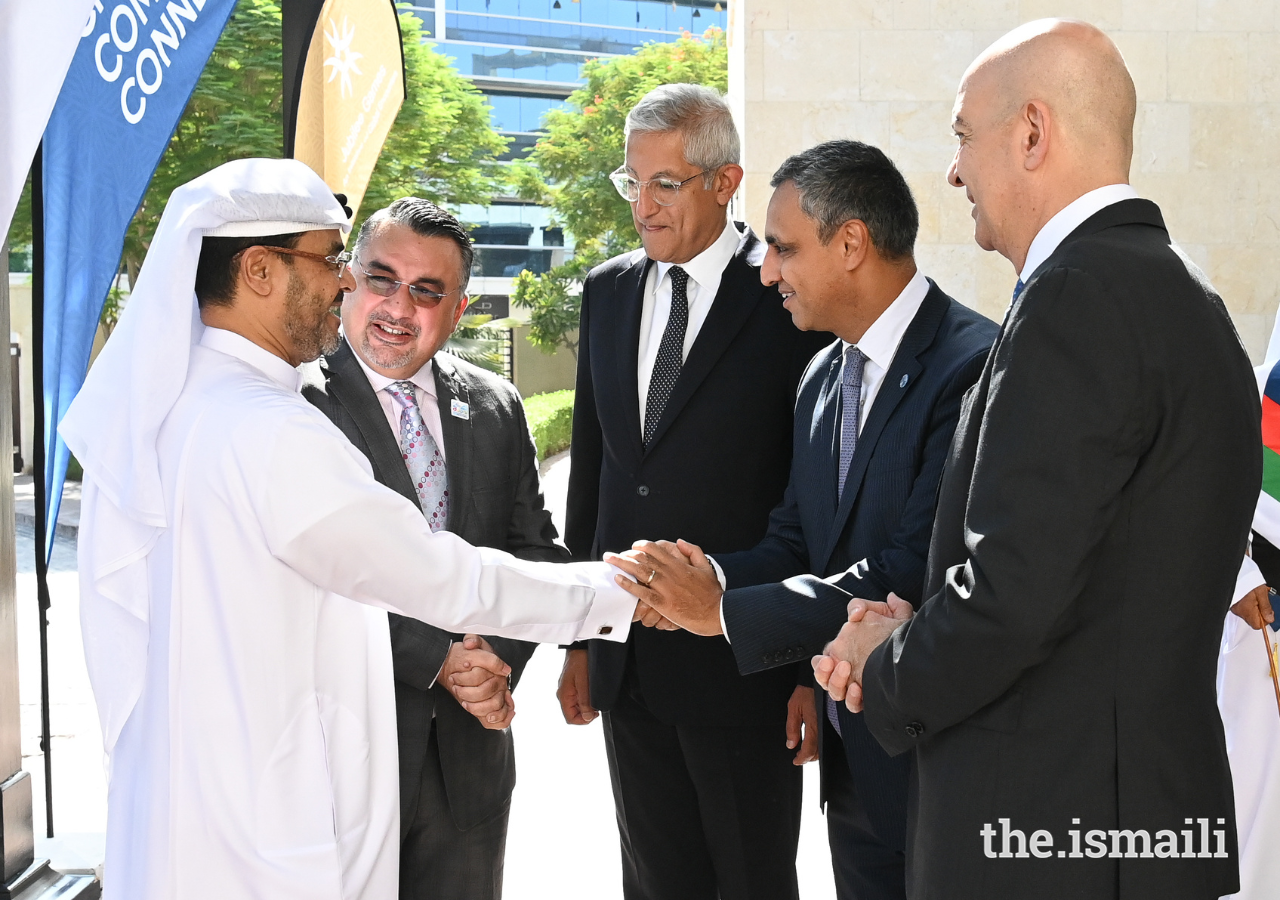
x: 875, y: 539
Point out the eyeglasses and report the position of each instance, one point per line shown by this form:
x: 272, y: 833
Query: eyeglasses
x: 664, y: 191
x: 337, y: 263
x: 387, y: 287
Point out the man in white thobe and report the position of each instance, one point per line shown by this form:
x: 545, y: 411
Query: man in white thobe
x: 246, y: 701
x: 1247, y: 701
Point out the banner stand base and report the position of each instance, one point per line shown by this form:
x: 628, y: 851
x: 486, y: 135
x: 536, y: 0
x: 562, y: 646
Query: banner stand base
x: 40, y: 881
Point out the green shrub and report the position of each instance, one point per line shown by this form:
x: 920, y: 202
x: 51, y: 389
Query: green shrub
x: 551, y: 421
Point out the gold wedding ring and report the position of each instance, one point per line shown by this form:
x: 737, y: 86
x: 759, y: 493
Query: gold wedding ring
x: 652, y: 574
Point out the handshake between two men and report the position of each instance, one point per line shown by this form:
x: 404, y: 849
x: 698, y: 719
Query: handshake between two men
x: 677, y: 586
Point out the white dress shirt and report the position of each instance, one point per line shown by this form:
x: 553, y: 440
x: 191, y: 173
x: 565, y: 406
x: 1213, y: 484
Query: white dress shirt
x: 705, y: 271
x: 424, y: 392
x: 1068, y: 219
x: 879, y: 344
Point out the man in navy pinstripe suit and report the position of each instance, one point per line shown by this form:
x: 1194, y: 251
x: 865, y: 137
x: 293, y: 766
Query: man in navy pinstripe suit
x: 873, y: 423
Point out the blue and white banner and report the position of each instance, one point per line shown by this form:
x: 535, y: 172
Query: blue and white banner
x: 133, y: 72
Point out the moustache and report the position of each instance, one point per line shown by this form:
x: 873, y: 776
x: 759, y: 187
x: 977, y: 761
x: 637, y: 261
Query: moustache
x: 402, y: 324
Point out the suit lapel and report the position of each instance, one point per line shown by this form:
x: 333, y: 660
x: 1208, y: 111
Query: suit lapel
x: 897, y: 382
x: 458, y: 437
x: 629, y: 297
x: 740, y: 291
x: 824, y: 446
x: 350, y: 386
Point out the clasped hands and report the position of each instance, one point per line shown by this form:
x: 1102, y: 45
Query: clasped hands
x: 675, y: 583
x: 677, y: 587
x: 479, y: 680
x: 839, y: 668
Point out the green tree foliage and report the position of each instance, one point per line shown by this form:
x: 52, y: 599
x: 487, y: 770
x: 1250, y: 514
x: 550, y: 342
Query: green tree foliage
x: 568, y: 170
x: 442, y: 145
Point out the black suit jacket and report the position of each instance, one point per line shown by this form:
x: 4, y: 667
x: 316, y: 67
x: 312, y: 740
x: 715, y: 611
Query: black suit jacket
x: 1091, y: 520
x: 717, y: 464
x: 495, y: 500
x: 871, y: 541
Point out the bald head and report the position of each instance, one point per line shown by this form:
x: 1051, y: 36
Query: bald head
x: 1043, y: 116
x: 1076, y: 71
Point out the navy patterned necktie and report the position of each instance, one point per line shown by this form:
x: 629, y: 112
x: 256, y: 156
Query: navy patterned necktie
x: 1017, y: 289
x: 851, y: 416
x: 850, y: 409
x: 666, y: 368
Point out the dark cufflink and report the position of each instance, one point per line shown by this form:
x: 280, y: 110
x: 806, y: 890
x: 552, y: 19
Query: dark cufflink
x: 605, y: 629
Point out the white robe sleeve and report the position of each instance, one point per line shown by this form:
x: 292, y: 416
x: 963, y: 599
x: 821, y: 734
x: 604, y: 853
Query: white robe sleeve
x: 324, y: 516
x: 1249, y: 578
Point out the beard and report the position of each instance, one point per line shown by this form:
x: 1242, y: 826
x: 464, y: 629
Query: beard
x: 308, y: 320
x: 389, y: 357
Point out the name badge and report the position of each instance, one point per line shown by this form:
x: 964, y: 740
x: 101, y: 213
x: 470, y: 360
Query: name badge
x: 458, y: 409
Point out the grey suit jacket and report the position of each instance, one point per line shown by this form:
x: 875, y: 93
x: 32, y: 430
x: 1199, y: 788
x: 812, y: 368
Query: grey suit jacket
x: 495, y: 501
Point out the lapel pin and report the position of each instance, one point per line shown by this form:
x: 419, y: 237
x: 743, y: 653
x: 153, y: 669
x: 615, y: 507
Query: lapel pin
x: 903, y: 382
x: 458, y: 409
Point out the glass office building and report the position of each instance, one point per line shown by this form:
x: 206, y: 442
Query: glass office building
x: 526, y: 56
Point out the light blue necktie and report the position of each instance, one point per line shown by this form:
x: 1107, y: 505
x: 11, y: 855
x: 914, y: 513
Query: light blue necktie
x: 421, y: 456
x: 850, y: 417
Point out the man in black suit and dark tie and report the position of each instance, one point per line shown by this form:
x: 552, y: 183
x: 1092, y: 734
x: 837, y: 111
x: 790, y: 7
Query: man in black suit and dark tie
x: 874, y: 419
x: 452, y: 438
x: 687, y: 370
x: 1058, y: 682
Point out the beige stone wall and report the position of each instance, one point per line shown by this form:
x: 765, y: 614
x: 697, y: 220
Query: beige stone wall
x: 885, y: 72
x: 540, y: 373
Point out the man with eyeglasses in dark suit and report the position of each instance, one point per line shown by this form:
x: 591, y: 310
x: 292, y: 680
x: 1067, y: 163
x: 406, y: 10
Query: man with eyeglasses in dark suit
x: 453, y: 439
x: 687, y: 374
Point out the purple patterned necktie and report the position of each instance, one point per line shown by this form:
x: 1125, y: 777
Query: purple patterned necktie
x: 851, y: 415
x: 421, y: 456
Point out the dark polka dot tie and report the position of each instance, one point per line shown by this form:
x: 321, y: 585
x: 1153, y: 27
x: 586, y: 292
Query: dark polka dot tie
x: 421, y: 456
x: 666, y: 368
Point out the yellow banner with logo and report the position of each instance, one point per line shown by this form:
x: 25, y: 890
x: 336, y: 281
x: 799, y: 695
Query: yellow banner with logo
x: 352, y: 88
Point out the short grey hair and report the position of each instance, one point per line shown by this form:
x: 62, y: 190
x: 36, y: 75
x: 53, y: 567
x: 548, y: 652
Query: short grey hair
x: 700, y: 115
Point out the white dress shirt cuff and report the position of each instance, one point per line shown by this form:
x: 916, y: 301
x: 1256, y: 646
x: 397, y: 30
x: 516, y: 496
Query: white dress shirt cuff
x: 724, y: 586
x: 1250, y: 577
x: 609, y: 618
